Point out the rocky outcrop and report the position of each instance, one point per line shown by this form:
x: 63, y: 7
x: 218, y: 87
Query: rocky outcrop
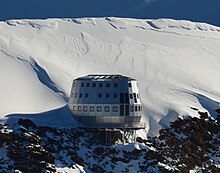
x: 188, y: 144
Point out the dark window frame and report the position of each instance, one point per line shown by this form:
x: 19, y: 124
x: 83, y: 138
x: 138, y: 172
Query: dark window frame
x: 74, y: 108
x: 85, y: 109
x: 136, y: 108
x: 99, y: 108
x: 114, y: 108
x: 79, y: 108
x: 107, y: 109
x: 91, y: 108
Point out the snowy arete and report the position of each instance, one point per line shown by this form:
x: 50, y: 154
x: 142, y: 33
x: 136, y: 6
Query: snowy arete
x: 106, y: 101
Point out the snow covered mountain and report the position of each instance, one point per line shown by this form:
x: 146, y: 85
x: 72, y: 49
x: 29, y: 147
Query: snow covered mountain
x: 194, y: 10
x: 176, y: 64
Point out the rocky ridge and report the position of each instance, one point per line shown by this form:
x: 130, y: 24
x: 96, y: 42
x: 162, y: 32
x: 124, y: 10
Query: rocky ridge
x: 189, y: 144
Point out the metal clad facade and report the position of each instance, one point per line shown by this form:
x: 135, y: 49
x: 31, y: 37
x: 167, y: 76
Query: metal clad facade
x: 105, y: 100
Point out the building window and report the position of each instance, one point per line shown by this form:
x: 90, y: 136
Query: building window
x: 74, y: 108
x: 107, y: 95
x: 79, y: 108
x: 137, y: 95
x: 88, y: 84
x: 115, y: 108
x: 108, y: 85
x: 86, y: 95
x: 136, y: 108
x: 100, y: 84
x: 72, y: 95
x: 131, y: 108
x: 85, y: 109
x: 82, y: 84
x: 76, y: 95
x: 94, y: 85
x: 99, y: 109
x: 115, y: 85
x: 135, y: 98
x: 99, y: 95
x: 80, y: 95
x: 115, y: 95
x: 127, y: 110
x: 129, y: 84
x: 124, y: 98
x: 107, y: 109
x: 91, y: 108
x: 131, y: 96
x: 139, y: 108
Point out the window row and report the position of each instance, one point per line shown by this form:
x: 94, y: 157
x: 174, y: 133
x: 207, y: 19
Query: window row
x: 105, y: 108
x: 123, y: 96
x: 92, y: 108
x: 97, y: 85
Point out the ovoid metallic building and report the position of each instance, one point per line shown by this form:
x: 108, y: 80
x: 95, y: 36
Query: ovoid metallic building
x: 106, y: 102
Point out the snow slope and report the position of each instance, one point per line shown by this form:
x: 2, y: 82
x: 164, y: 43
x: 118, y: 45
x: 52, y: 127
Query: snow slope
x: 176, y: 64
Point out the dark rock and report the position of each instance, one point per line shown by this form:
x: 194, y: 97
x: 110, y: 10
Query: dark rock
x: 203, y: 115
x: 26, y: 123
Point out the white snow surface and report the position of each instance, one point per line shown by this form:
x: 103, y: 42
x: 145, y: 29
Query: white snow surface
x: 176, y: 64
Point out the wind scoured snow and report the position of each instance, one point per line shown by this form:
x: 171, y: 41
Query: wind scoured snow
x: 176, y: 63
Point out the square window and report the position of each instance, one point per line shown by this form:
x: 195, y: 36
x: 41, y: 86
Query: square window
x: 137, y: 95
x: 86, y: 95
x: 115, y: 95
x: 91, y: 108
x: 131, y: 96
x: 100, y: 84
x: 79, y: 108
x: 99, y: 109
x: 131, y: 108
x: 88, y: 84
x: 108, y: 85
x: 107, y: 109
x: 107, y: 95
x: 94, y: 85
x: 80, y: 95
x: 115, y: 108
x: 129, y: 84
x: 74, y: 108
x: 85, y: 108
x: 82, y: 84
x: 115, y: 84
x: 99, y: 95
